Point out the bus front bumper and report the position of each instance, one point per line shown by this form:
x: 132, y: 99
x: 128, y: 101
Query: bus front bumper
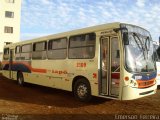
x: 130, y: 93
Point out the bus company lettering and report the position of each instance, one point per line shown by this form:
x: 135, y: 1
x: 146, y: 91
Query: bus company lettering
x: 59, y: 72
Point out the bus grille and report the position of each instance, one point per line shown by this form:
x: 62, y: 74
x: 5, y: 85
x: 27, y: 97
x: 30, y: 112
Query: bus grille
x: 144, y: 93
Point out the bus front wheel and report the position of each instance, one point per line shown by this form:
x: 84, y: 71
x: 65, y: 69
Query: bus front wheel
x: 20, y: 79
x: 82, y: 90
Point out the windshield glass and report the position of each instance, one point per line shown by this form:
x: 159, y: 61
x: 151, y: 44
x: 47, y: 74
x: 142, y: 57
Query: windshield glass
x: 139, y: 50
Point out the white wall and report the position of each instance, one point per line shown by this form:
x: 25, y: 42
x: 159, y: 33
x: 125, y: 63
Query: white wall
x: 12, y: 22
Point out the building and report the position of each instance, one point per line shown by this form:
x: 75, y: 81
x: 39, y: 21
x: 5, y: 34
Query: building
x: 10, y: 12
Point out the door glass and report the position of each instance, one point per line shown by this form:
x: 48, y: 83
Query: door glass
x: 104, y: 58
x: 115, y: 66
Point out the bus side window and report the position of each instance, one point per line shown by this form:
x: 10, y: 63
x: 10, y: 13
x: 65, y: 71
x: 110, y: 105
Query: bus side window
x: 26, y: 52
x: 17, y: 53
x: 6, y: 54
x: 82, y: 46
x: 57, y: 48
x: 39, y: 50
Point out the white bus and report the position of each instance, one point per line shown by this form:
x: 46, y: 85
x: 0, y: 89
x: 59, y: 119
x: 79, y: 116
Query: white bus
x: 110, y: 60
x: 157, y: 59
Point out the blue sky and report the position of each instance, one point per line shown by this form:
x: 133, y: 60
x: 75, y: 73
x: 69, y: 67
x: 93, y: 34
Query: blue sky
x: 43, y: 17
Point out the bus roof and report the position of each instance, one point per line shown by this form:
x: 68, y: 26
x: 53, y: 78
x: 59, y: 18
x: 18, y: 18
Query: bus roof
x: 70, y: 33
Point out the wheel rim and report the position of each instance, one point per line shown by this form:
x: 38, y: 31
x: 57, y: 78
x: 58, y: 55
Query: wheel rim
x: 82, y: 90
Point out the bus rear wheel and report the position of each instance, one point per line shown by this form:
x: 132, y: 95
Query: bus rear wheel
x: 82, y: 90
x: 20, y: 79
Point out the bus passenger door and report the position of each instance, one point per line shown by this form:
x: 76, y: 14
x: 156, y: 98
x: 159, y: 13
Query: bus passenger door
x: 104, y: 65
x: 11, y: 63
x: 114, y: 66
x: 110, y: 66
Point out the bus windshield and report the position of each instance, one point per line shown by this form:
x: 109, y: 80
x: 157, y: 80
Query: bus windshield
x: 139, y: 50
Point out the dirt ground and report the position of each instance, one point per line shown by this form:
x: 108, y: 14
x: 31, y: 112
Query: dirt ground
x: 33, y: 102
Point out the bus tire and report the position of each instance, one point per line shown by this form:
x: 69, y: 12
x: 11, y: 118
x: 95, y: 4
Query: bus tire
x: 20, y: 79
x: 82, y: 90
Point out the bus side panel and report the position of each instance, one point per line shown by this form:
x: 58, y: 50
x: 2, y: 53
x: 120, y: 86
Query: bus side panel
x: 87, y: 68
x: 51, y: 73
x: 60, y: 73
x: 5, y: 73
x: 5, y: 69
x: 38, y: 79
x: 14, y: 75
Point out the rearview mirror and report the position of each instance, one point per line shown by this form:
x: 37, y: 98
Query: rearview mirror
x: 125, y: 38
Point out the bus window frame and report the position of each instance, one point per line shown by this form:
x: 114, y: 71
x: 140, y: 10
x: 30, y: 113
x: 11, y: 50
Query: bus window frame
x: 28, y: 51
x: 21, y: 53
x: 45, y: 50
x: 7, y: 53
x: 19, y: 49
x: 46, y: 43
x: 82, y: 46
x: 51, y: 40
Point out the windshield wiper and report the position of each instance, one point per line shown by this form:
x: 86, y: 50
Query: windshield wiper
x: 141, y: 47
x: 147, y: 40
x: 136, y: 41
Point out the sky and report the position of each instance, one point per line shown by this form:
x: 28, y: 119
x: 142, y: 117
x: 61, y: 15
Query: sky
x: 44, y: 17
